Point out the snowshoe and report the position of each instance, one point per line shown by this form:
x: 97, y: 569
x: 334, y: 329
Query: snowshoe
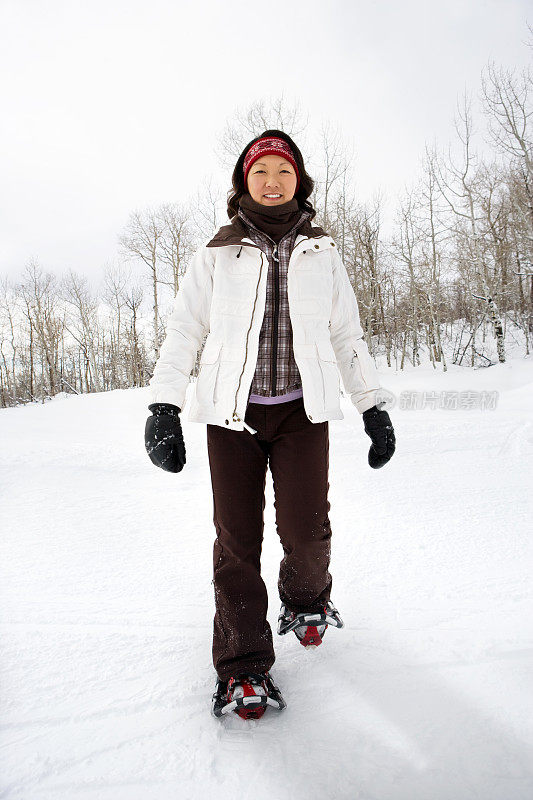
x: 246, y: 695
x: 309, y: 627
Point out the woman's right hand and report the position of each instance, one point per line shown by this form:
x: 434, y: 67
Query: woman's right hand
x: 163, y: 437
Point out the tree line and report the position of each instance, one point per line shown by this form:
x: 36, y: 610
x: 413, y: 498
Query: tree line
x: 452, y: 281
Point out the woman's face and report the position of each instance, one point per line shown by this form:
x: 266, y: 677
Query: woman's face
x: 271, y: 175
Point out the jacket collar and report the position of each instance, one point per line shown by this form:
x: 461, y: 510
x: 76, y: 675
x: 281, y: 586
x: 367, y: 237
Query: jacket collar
x: 236, y: 233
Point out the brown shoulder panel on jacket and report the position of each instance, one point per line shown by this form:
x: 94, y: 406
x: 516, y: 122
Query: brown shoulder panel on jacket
x: 235, y: 232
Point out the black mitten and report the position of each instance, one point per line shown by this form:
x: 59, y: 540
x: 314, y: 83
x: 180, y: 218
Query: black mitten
x: 379, y: 427
x: 163, y: 437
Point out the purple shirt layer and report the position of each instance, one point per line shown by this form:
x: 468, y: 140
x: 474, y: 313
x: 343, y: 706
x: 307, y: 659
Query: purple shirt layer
x: 281, y: 398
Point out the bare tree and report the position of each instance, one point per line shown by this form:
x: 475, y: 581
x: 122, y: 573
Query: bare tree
x: 330, y: 185
x: 114, y: 286
x: 8, y: 341
x: 208, y: 208
x: 365, y: 232
x: 84, y: 326
x: 136, y: 361
x: 176, y: 243
x: 39, y: 291
x: 406, y: 244
x: 141, y: 240
x: 460, y: 187
x: 435, y: 236
x: 507, y: 106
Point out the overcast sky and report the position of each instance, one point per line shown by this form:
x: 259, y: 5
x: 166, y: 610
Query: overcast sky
x: 113, y: 105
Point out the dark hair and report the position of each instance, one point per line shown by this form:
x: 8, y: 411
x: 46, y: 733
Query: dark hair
x: 237, y: 179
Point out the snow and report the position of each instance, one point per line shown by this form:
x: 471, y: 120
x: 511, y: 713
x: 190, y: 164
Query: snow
x: 107, y: 610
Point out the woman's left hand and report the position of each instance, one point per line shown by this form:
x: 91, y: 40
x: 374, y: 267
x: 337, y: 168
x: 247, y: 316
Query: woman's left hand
x: 379, y: 427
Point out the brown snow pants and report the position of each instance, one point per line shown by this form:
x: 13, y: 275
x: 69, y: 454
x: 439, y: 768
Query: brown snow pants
x: 297, y: 451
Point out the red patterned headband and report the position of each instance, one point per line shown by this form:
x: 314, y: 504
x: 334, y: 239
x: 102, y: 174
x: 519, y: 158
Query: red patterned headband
x: 264, y: 147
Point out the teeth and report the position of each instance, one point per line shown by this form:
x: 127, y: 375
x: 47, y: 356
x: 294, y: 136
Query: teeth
x: 272, y: 195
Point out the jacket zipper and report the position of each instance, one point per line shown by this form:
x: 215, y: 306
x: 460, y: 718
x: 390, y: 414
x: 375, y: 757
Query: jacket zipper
x: 274, y: 349
x: 235, y: 417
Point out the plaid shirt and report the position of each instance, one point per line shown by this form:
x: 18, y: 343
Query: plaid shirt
x: 275, y: 338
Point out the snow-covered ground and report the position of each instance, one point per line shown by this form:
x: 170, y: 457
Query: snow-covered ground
x: 107, y: 605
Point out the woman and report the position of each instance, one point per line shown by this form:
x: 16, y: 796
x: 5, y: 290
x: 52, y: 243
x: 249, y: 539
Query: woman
x: 271, y: 291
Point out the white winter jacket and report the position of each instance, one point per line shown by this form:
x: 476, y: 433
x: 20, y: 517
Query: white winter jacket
x: 223, y: 295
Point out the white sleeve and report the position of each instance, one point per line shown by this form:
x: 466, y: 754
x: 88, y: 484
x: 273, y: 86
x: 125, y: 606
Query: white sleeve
x: 356, y: 365
x: 187, y: 325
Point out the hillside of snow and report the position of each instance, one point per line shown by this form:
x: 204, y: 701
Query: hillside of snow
x: 107, y: 607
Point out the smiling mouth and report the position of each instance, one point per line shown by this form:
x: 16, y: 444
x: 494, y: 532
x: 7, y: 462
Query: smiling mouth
x: 272, y: 196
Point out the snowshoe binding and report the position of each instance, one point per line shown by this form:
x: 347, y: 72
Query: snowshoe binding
x: 309, y: 627
x: 246, y: 695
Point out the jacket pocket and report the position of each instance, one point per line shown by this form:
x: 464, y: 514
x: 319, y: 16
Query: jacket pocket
x: 211, y: 351
x: 325, y: 350
x: 330, y: 374
x: 206, y: 384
